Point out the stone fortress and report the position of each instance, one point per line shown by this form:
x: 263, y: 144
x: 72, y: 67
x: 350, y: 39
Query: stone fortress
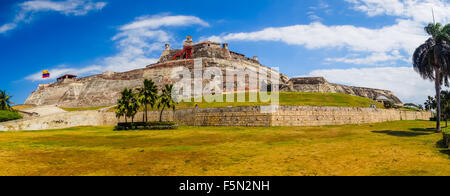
x: 104, y: 89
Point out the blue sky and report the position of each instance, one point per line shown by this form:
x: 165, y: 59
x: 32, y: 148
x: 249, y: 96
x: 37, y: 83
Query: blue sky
x: 355, y: 42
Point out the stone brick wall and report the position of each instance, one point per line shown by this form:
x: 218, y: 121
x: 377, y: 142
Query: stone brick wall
x: 285, y: 116
x: 318, y: 116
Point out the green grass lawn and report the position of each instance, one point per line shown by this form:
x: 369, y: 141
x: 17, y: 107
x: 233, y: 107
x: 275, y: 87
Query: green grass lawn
x: 7, y: 116
x: 393, y: 148
x: 446, y: 130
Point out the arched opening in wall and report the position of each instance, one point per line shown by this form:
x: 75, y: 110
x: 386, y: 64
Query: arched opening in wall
x: 269, y: 88
x: 265, y: 87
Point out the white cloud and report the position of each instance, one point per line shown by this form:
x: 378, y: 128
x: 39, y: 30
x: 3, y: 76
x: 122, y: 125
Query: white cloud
x: 322, y: 6
x: 405, y: 35
x: 417, y: 10
x: 68, y: 7
x: 136, y: 48
x: 402, y: 81
x: 312, y: 16
x: 155, y: 22
x: 373, y: 59
x: 7, y: 27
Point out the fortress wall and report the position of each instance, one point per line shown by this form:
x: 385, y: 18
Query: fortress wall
x: 237, y: 116
x: 285, y: 116
x: 319, y: 116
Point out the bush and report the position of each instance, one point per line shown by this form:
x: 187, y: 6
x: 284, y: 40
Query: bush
x: 146, y: 126
x: 8, y: 115
x: 446, y: 133
x: 389, y: 104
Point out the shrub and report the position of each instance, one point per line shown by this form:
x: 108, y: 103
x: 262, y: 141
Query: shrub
x: 8, y: 115
x: 446, y: 133
x: 389, y: 104
x: 146, y: 126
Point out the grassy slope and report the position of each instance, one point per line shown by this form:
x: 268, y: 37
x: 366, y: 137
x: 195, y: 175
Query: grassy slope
x: 297, y: 99
x: 23, y: 107
x: 293, y: 99
x: 394, y: 148
x: 84, y: 108
x: 7, y: 116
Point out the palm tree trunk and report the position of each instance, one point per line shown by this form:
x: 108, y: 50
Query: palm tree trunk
x: 437, y: 84
x: 146, y: 113
x: 160, y: 115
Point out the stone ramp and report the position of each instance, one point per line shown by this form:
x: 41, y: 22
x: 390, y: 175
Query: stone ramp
x: 44, y: 110
x: 61, y: 121
x: 52, y: 117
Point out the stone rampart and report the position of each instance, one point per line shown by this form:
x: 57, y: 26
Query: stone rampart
x: 236, y: 116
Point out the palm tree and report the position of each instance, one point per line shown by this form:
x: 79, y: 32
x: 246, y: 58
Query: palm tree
x: 127, y: 105
x: 420, y: 107
x: 120, y: 109
x: 445, y: 105
x: 133, y: 105
x: 432, y: 61
x: 122, y: 105
x: 5, y: 102
x: 166, y: 100
x: 430, y: 104
x: 148, y: 95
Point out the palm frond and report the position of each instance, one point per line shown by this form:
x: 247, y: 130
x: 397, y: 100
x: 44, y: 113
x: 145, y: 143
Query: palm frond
x: 421, y: 59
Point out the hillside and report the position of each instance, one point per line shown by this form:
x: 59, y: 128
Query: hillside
x: 7, y: 116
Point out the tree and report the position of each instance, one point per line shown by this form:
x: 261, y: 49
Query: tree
x: 122, y: 103
x: 411, y: 105
x: 432, y: 60
x: 445, y: 105
x: 148, y: 95
x: 420, y: 107
x: 5, y: 101
x: 133, y: 105
x: 430, y: 104
x: 166, y: 100
x: 127, y: 105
